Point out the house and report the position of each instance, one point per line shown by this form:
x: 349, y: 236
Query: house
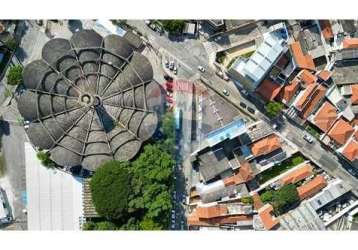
x: 345, y: 67
x: 350, y: 151
x: 231, y: 214
x: 341, y: 131
x: 325, y: 117
x: 297, y: 175
x: 302, y: 61
x: 289, y: 91
x: 326, y: 29
x: 329, y: 194
x: 312, y: 187
x: 308, y: 100
x: 350, y: 43
x: 269, y: 221
x: 266, y: 145
x: 268, y: 90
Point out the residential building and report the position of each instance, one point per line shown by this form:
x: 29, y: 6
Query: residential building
x: 312, y: 187
x: 350, y: 151
x: 250, y: 72
x: 350, y: 43
x: 329, y: 194
x: 297, y: 175
x: 325, y: 117
x: 265, y: 219
x: 340, y: 132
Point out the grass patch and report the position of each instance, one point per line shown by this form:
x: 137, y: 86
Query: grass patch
x: 313, y: 131
x: 280, y: 168
x: 2, y: 165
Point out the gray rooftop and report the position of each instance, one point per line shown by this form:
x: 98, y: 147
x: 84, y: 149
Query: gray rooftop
x: 345, y: 72
x: 90, y: 99
x: 329, y: 194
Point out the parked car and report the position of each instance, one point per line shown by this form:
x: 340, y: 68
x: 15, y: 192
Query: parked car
x: 222, y: 75
x: 167, y: 64
x: 243, y: 105
x: 244, y: 92
x: 225, y: 92
x: 175, y: 70
x: 171, y: 65
x: 201, y: 68
x: 251, y: 110
x: 5, y: 215
x: 308, y: 138
x: 168, y: 77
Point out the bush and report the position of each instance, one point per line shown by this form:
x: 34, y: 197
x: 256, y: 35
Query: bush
x: 273, y: 109
x: 284, y: 198
x: 247, y: 200
x: 297, y: 160
x: 45, y: 159
x: 11, y: 43
x: 102, y: 225
x: 173, y: 26
x: 110, y: 188
x: 14, y: 77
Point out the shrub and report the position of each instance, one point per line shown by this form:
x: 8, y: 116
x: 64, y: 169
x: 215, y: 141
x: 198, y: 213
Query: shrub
x: 14, y: 77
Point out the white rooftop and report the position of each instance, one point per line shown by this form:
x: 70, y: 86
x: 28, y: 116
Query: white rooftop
x: 105, y: 27
x: 54, y: 198
x: 263, y: 59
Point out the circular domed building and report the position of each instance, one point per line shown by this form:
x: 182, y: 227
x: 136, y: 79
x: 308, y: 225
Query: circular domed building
x: 90, y: 99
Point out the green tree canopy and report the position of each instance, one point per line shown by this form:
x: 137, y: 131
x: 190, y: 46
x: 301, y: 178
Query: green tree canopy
x: 173, y: 26
x: 110, y: 187
x: 14, y: 77
x: 273, y: 109
x: 45, y: 159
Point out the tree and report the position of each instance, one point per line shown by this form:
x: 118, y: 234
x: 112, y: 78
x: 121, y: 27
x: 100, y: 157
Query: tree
x: 284, y: 198
x: 110, y: 188
x: 14, y: 77
x: 297, y: 160
x: 173, y: 26
x: 149, y: 224
x: 45, y: 159
x: 267, y: 196
x: 247, y: 200
x: 102, y: 225
x: 168, y: 129
x: 11, y: 43
x: 273, y: 109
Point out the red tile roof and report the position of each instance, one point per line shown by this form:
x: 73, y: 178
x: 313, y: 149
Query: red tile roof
x: 309, y: 100
x: 245, y: 174
x: 266, y: 145
x: 354, y: 97
x: 297, y: 175
x: 312, y: 187
x: 268, y: 219
x: 350, y: 43
x: 341, y: 131
x: 211, y: 212
x: 268, y: 90
x: 326, y: 29
x: 350, y: 151
x: 325, y: 116
x: 324, y: 75
x: 307, y: 77
x: 289, y: 90
x: 302, y: 61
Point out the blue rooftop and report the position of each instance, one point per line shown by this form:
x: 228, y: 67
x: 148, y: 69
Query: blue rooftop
x: 229, y: 131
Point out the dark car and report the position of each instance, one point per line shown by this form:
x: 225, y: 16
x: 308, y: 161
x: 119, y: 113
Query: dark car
x: 168, y: 78
x: 243, y: 105
x: 251, y: 110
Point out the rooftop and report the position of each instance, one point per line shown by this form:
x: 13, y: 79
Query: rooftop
x: 307, y: 77
x: 310, y: 99
x: 350, y: 151
x: 325, y: 116
x: 266, y: 145
x: 289, y: 90
x: 312, y: 187
x: 268, y: 90
x: 269, y: 221
x: 341, y: 131
x: 346, y: 72
x: 302, y: 61
x: 350, y: 43
x: 93, y: 120
x: 354, y: 97
x: 297, y: 175
x: 329, y: 194
x: 326, y: 29
x: 324, y: 75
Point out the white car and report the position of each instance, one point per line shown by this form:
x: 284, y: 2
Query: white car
x: 200, y: 68
x: 308, y: 138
